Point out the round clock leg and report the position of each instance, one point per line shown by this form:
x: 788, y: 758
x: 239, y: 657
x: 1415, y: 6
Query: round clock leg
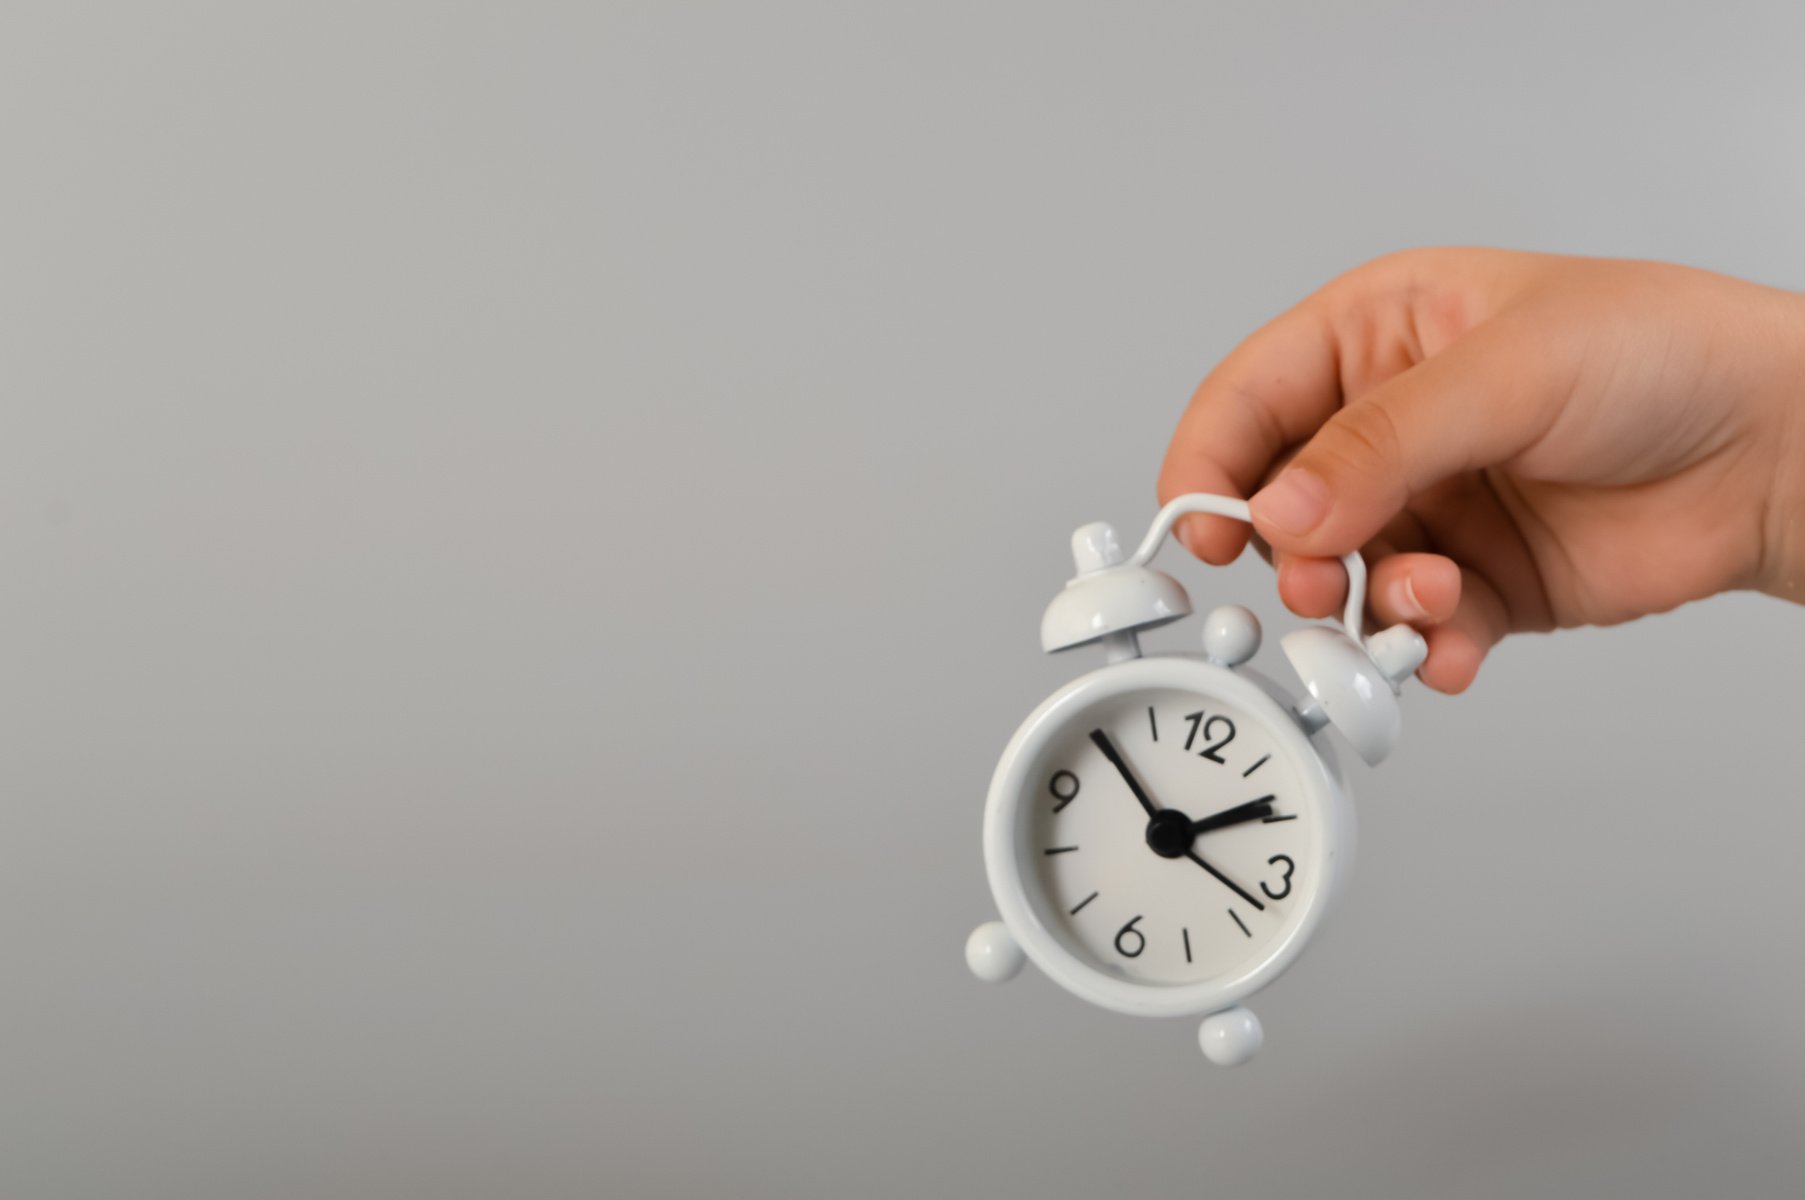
x: 1231, y: 1037
x: 993, y: 954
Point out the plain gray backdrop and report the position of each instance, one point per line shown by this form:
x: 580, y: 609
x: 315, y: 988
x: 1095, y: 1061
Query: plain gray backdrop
x: 522, y: 533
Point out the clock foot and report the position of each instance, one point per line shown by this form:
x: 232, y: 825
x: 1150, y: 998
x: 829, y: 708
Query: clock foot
x: 1231, y: 1037
x: 993, y: 954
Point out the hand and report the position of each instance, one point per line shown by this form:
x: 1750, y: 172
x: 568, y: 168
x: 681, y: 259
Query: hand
x: 1253, y: 810
x: 1515, y: 441
x: 1225, y: 881
x: 1163, y: 823
x: 1102, y: 742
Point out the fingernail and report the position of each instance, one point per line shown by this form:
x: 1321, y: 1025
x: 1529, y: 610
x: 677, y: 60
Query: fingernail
x: 1402, y: 597
x: 1294, y: 503
x: 1184, y: 533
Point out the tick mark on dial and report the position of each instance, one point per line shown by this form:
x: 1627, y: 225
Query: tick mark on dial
x: 1152, y: 723
x: 1238, y: 921
x: 1082, y: 903
x: 1256, y: 766
x: 1187, y: 945
x: 1059, y: 850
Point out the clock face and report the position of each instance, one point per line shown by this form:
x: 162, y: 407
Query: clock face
x: 1170, y: 838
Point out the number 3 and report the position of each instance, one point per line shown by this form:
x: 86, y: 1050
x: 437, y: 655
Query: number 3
x: 1285, y: 882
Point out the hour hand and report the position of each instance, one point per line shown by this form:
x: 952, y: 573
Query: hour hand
x: 1102, y: 742
x: 1253, y: 810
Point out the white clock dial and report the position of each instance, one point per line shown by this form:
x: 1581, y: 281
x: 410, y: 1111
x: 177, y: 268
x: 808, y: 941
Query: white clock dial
x: 1173, y: 840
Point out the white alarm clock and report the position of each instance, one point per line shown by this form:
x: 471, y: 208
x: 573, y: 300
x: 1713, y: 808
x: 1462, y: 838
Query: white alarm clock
x: 1164, y: 834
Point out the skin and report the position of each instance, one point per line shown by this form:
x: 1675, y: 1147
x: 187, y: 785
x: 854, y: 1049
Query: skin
x: 1517, y: 442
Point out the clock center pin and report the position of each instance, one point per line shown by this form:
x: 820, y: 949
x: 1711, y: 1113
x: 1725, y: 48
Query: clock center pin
x: 1169, y: 833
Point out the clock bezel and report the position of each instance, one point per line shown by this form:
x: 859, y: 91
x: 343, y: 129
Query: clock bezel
x: 1008, y: 856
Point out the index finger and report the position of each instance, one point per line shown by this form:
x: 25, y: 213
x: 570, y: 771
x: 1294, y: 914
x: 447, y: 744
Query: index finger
x: 1273, y: 391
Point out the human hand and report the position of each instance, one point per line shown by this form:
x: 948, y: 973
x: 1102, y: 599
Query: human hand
x: 1515, y: 441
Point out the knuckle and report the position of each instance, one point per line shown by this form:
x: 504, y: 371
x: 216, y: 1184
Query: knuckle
x: 1395, y: 265
x: 1369, y: 440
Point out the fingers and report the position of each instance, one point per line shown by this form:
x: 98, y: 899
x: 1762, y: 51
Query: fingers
x: 1460, y: 613
x: 1275, y: 389
x: 1334, y: 376
x: 1485, y: 399
x: 1321, y: 583
x: 1311, y: 587
x: 1414, y: 589
x: 1458, y: 645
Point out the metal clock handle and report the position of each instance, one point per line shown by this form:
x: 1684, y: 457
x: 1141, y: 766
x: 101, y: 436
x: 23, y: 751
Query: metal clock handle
x: 1228, y: 506
x: 1352, y: 679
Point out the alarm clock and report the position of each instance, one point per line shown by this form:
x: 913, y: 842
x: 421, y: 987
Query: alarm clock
x: 1165, y: 834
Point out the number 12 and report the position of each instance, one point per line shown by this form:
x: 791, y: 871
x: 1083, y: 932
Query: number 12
x: 1209, y: 731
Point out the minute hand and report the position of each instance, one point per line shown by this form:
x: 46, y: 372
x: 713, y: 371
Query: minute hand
x: 1226, y: 882
x: 1116, y: 760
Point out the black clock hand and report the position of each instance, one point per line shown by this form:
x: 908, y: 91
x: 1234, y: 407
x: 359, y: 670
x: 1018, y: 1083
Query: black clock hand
x: 1116, y: 760
x: 1230, y: 884
x: 1102, y: 742
x: 1253, y: 810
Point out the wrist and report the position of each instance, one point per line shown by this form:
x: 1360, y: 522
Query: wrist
x: 1783, y: 558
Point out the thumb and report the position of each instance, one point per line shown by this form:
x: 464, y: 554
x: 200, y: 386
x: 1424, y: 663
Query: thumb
x: 1480, y: 402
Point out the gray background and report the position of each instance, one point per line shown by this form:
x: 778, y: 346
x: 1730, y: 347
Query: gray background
x: 523, y: 532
